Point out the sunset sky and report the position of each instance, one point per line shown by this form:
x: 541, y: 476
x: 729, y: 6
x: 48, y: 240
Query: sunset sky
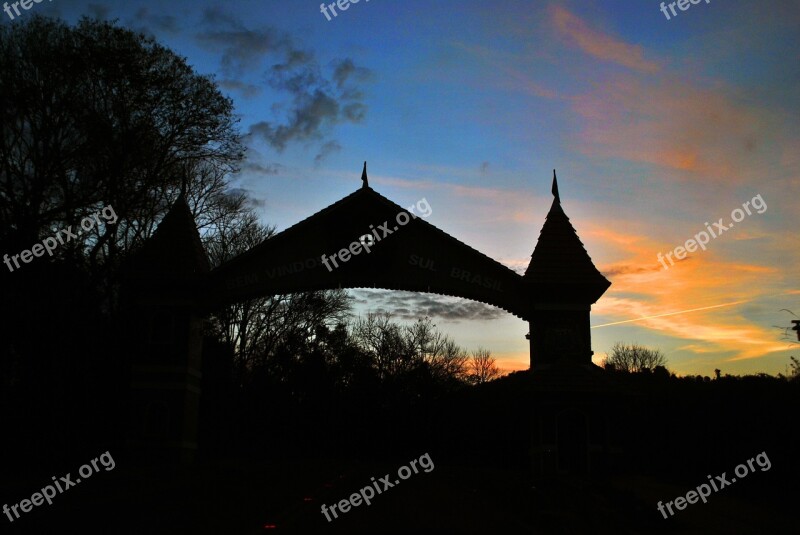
x: 656, y: 127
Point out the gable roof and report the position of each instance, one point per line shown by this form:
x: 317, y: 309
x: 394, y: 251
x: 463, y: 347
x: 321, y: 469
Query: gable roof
x: 455, y: 268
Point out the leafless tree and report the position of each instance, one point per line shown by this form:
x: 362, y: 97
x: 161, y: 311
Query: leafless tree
x: 255, y: 328
x: 445, y: 358
x: 792, y: 337
x: 795, y: 365
x: 483, y: 367
x: 634, y: 358
x: 397, y: 349
x: 383, y: 342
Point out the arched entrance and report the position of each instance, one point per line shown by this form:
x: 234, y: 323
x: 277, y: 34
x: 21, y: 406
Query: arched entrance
x: 361, y: 241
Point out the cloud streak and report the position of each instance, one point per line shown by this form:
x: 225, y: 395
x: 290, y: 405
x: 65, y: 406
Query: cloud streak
x: 597, y: 44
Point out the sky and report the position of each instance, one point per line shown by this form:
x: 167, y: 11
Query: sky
x: 658, y: 127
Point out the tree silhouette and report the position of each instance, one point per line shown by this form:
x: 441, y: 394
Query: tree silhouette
x: 98, y: 115
x: 482, y: 367
x: 787, y: 335
x: 634, y: 358
x: 259, y: 329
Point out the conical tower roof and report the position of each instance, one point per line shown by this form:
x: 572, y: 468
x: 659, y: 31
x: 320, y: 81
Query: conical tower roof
x: 560, y: 267
x: 175, y: 247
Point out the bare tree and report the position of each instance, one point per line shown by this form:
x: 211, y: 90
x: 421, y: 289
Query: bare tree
x: 257, y: 327
x: 795, y: 365
x: 483, y: 367
x: 445, y: 358
x: 790, y: 337
x: 396, y: 350
x: 633, y: 358
x: 383, y: 342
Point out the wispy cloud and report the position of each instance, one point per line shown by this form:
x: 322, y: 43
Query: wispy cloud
x: 598, y: 44
x: 327, y: 149
x: 668, y: 303
x: 673, y: 123
x: 318, y: 102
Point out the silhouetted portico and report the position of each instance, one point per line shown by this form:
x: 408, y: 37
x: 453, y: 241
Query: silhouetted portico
x: 397, y: 250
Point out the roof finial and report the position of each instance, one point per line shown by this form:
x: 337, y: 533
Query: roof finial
x: 364, y: 177
x: 555, y: 188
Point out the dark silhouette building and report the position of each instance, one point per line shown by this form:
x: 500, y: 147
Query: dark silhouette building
x: 169, y: 288
x: 163, y: 344
x: 562, y: 284
x: 569, y: 430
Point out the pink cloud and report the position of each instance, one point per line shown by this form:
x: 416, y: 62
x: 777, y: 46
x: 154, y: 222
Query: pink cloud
x: 677, y: 125
x: 599, y: 44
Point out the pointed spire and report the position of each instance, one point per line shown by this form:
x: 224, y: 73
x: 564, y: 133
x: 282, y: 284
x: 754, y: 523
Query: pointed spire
x: 555, y: 188
x: 364, y: 180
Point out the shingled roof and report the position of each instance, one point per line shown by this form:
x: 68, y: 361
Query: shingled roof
x: 175, y: 247
x: 385, y: 267
x: 560, y: 262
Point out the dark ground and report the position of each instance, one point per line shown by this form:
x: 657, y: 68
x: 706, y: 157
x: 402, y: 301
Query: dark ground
x: 249, y: 497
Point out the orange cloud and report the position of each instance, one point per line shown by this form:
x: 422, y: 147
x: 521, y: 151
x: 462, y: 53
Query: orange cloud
x: 598, y: 44
x: 679, y: 120
x: 674, y: 124
x: 693, y: 303
x: 629, y: 244
x: 721, y: 333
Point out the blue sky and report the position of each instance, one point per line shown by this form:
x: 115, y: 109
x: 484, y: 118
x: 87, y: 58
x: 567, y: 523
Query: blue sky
x: 656, y: 127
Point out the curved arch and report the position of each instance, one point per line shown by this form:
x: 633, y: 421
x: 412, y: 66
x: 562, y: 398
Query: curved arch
x: 328, y: 251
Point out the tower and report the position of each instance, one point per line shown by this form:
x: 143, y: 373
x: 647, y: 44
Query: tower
x: 162, y: 288
x: 562, y: 284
